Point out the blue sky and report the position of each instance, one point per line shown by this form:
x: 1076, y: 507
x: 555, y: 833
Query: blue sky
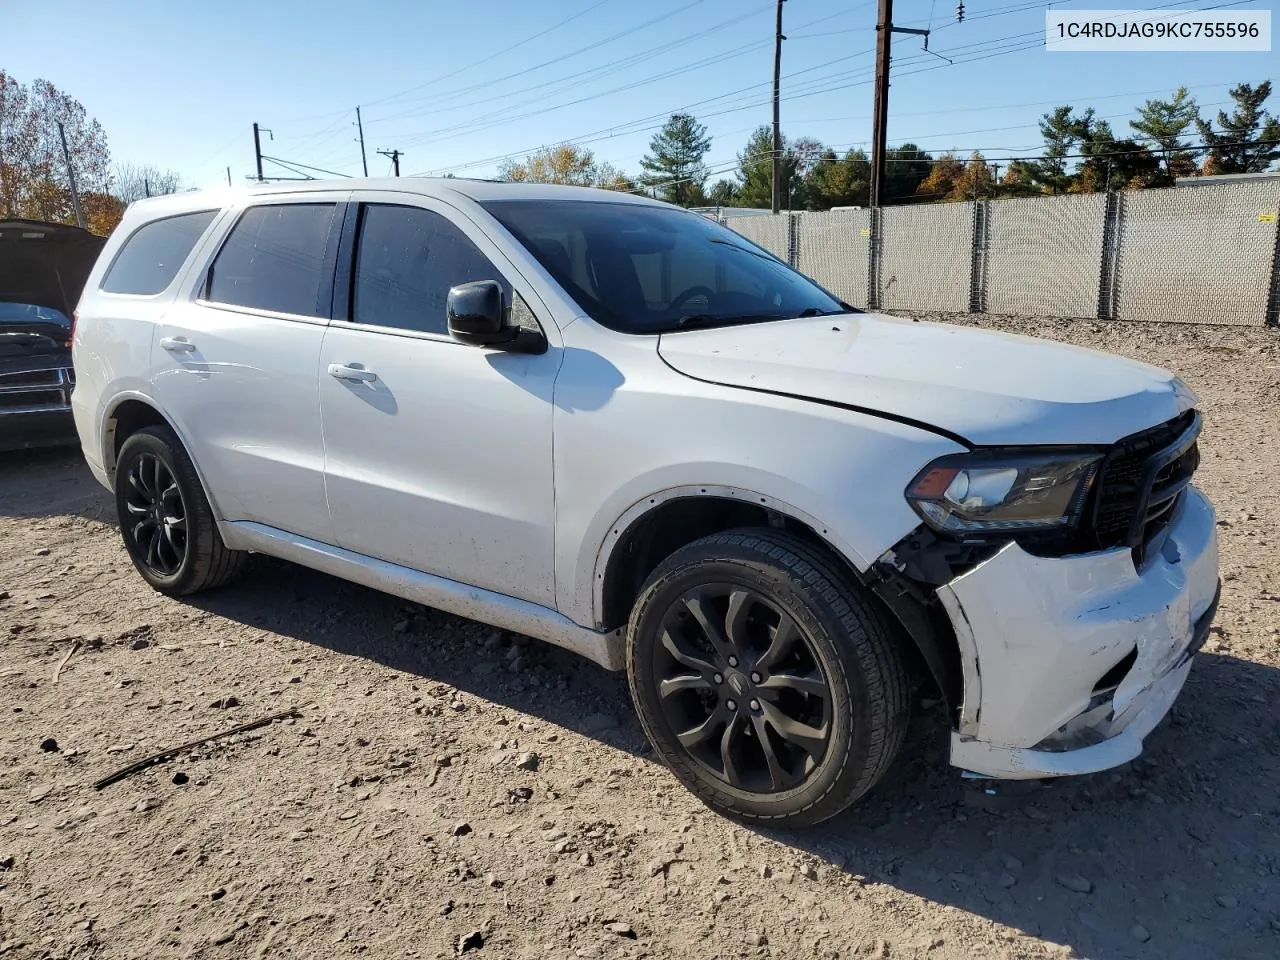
x: 457, y: 85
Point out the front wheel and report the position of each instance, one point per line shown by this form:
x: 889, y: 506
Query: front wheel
x: 165, y: 519
x: 770, y: 684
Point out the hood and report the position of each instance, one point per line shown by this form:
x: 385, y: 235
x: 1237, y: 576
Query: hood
x: 45, y: 264
x: 980, y: 386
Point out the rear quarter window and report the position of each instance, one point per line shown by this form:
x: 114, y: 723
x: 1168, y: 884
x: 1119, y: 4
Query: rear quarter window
x: 153, y: 254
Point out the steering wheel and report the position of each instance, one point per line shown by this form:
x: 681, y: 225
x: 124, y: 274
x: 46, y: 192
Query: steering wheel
x: 689, y: 294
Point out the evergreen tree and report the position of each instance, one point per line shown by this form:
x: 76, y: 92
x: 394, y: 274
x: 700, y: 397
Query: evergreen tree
x: 674, y: 164
x: 1164, y: 122
x: 755, y: 170
x: 835, y: 181
x: 1249, y: 139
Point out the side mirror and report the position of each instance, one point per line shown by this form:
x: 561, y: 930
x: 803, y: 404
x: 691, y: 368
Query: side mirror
x: 477, y: 315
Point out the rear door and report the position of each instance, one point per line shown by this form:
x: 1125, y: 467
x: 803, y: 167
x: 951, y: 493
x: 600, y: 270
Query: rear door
x: 235, y: 365
x: 438, y: 454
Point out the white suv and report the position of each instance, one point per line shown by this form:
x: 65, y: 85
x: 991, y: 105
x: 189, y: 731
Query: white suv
x: 621, y: 428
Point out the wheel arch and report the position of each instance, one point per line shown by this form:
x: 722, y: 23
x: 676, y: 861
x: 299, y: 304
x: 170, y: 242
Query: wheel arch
x: 655, y: 527
x: 131, y: 412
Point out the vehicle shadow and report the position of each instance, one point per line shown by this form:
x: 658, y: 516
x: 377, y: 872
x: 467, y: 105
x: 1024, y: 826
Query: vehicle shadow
x: 1180, y: 847
x: 1174, y: 856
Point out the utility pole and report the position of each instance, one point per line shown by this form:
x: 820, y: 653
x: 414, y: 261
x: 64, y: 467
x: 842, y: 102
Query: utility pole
x: 146, y: 186
x: 228, y: 176
x: 360, y: 127
x: 71, y: 177
x: 257, y: 147
x: 777, y: 121
x: 395, y: 156
x: 880, y: 113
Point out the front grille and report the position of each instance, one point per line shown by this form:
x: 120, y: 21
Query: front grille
x: 1141, y: 481
x: 33, y: 378
x: 36, y: 391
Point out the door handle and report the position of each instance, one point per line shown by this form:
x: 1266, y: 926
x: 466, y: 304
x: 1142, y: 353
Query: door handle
x: 342, y: 371
x: 177, y: 344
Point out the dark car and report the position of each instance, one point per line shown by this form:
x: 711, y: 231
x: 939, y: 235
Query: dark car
x: 43, y: 268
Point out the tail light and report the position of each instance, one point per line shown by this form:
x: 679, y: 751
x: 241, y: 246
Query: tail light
x: 71, y: 336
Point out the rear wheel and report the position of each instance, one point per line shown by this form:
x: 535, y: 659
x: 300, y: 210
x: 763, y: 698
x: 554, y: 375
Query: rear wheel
x: 165, y: 519
x: 771, y: 685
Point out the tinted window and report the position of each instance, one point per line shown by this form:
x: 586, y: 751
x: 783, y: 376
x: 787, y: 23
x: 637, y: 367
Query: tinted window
x: 274, y: 260
x: 645, y: 269
x: 407, y: 260
x: 150, y: 259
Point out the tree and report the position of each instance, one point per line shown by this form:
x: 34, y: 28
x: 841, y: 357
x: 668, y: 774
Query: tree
x: 130, y: 182
x: 976, y: 182
x: 943, y: 176
x: 33, y: 174
x: 723, y: 193
x: 1164, y: 122
x: 1062, y: 131
x: 755, y: 169
x: 905, y: 169
x: 674, y: 163
x: 567, y: 163
x: 835, y: 181
x: 1249, y: 139
x: 1112, y: 164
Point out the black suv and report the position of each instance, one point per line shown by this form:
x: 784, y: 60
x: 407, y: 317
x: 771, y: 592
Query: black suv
x: 43, y: 268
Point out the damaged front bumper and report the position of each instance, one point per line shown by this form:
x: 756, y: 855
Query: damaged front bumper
x: 1068, y: 663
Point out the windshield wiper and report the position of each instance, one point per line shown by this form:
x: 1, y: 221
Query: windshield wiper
x: 701, y: 320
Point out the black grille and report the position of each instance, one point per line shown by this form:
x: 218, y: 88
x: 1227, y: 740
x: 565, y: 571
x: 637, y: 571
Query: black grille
x: 39, y: 378
x: 1140, y: 482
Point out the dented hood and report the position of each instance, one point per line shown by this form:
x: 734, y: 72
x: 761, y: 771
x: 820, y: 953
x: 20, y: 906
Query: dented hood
x: 985, y: 387
x: 45, y: 264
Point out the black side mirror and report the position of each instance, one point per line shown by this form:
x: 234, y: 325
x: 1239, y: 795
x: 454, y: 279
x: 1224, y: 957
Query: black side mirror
x: 477, y: 315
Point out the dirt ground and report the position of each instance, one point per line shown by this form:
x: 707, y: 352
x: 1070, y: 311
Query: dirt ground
x: 447, y: 787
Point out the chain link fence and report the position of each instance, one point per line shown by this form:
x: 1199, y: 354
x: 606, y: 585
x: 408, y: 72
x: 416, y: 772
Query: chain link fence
x: 1192, y: 254
x: 835, y: 250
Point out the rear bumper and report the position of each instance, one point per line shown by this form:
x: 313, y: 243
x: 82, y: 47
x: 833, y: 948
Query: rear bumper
x: 1070, y: 662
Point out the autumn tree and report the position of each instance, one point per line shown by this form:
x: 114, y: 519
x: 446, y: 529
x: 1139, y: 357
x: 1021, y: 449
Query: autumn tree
x: 940, y: 184
x: 568, y: 164
x: 1248, y: 140
x: 33, y: 173
x: 674, y: 164
x: 1164, y: 122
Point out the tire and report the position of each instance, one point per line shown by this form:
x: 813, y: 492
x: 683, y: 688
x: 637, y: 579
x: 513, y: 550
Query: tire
x: 172, y: 538
x: 835, y: 675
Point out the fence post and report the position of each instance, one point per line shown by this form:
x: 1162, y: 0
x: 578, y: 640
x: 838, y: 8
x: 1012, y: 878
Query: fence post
x: 1108, y: 279
x: 875, y: 253
x: 1273, y: 299
x: 793, y: 240
x: 978, y: 270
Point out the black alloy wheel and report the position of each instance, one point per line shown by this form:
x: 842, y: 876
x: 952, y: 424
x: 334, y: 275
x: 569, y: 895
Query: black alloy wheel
x: 158, y: 517
x: 167, y: 525
x: 743, y: 688
x: 771, y: 684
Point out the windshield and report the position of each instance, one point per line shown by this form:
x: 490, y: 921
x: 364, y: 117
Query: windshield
x: 641, y: 269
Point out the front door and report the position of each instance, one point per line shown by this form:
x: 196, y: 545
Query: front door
x: 437, y: 454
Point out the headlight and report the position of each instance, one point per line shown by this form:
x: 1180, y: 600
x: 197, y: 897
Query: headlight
x: 1004, y: 491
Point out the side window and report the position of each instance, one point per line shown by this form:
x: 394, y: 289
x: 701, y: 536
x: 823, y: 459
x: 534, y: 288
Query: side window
x: 274, y: 259
x: 153, y: 254
x: 407, y: 258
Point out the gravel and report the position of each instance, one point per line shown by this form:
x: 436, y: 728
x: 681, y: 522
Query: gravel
x: 396, y: 878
